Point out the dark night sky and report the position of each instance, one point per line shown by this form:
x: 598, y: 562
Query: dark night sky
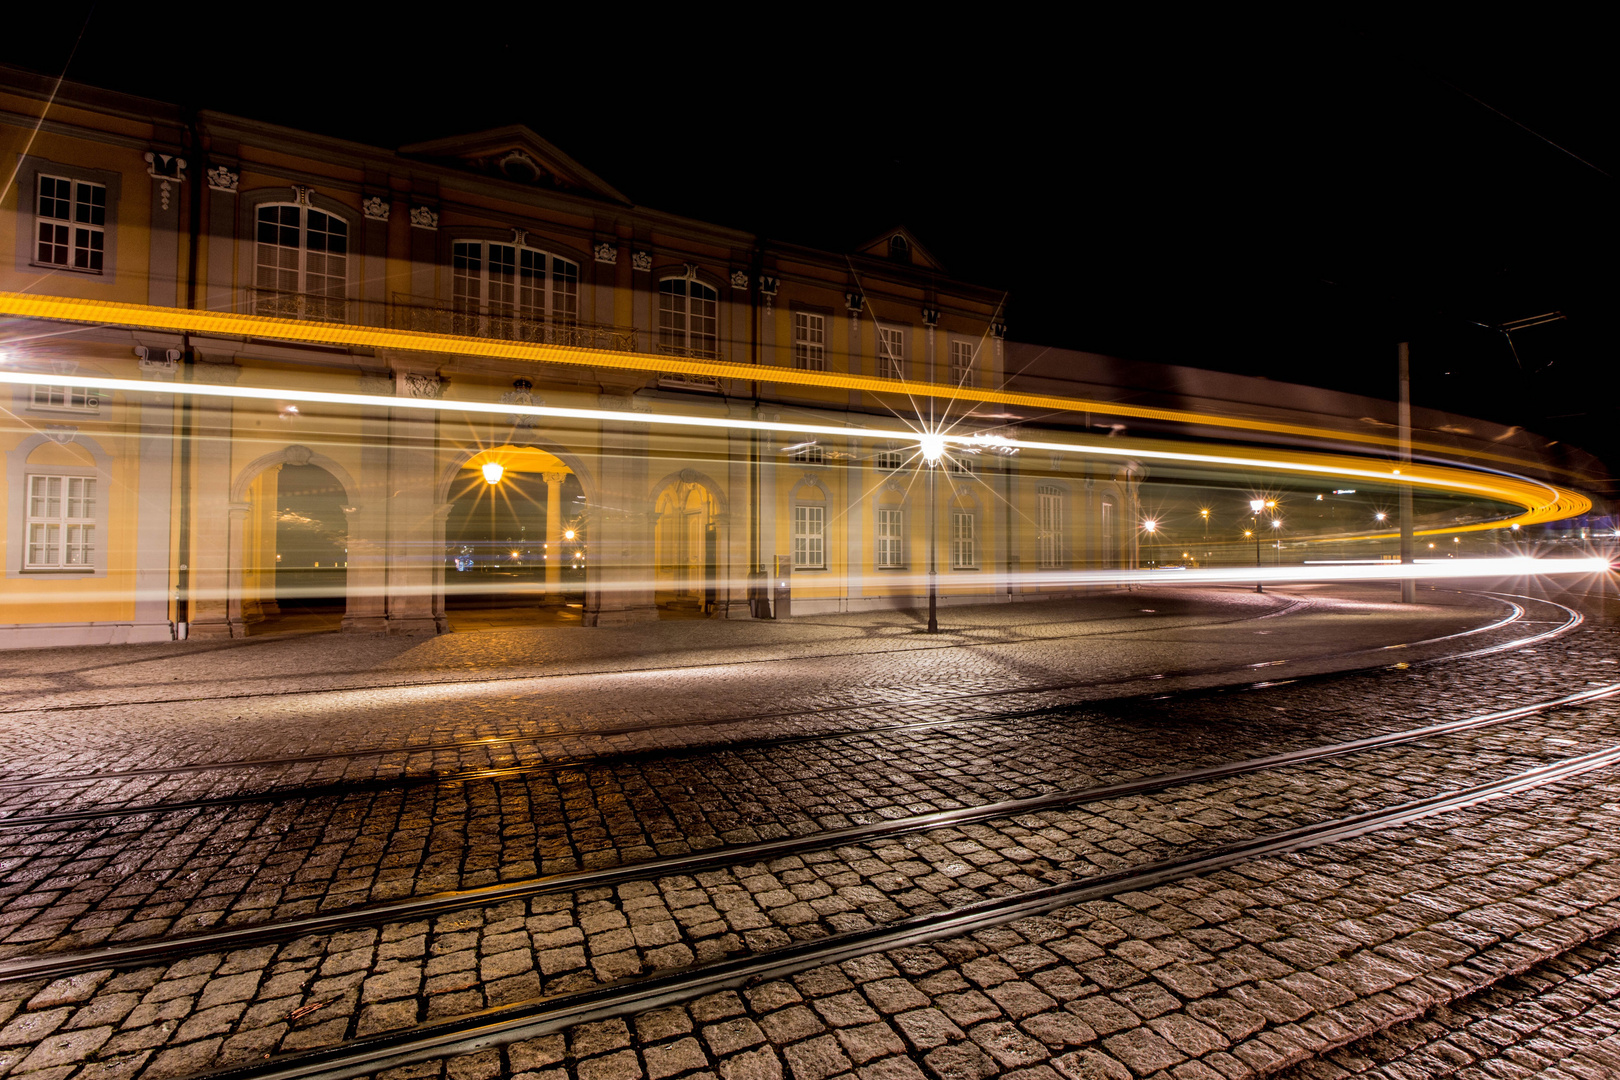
x: 1286, y: 201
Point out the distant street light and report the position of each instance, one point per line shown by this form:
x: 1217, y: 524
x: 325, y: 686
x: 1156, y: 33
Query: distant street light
x: 1255, y: 506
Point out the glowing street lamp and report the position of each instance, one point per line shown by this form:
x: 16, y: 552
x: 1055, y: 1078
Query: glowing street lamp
x: 493, y: 471
x: 932, y: 446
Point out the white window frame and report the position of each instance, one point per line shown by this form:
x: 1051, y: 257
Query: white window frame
x: 330, y: 299
x: 962, y: 464
x: 72, y: 532
x: 889, y: 459
x: 79, y: 232
x: 891, y: 342
x: 809, y: 536
x: 810, y: 455
x: 485, y: 292
x: 685, y: 329
x: 809, y: 341
x: 964, y: 540
x: 72, y: 399
x: 890, y: 534
x: 962, y: 363
x: 1049, y: 527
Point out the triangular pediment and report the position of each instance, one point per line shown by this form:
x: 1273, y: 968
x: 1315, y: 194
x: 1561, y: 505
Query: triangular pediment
x: 900, y: 246
x: 516, y: 154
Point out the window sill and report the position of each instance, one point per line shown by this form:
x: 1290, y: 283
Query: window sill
x: 68, y: 269
x: 60, y: 571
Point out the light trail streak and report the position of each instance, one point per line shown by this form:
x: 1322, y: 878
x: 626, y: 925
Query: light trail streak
x: 1542, y: 502
x: 235, y: 325
x: 985, y: 589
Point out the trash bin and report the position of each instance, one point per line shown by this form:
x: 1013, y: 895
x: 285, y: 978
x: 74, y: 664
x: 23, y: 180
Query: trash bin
x: 782, y: 587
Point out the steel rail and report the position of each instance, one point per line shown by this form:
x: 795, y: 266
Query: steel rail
x: 540, y: 1016
x: 58, y: 964
x: 13, y: 783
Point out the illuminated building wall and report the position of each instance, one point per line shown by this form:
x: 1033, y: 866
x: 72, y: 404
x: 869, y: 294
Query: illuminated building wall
x: 491, y: 235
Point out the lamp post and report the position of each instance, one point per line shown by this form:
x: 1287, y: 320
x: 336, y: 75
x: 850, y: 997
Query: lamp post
x: 1150, y: 527
x: 493, y: 471
x: 932, y: 446
x: 1255, y: 506
x: 1276, y: 523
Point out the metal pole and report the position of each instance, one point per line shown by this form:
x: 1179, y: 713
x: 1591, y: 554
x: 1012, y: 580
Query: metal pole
x: 933, y: 567
x: 1259, y: 587
x: 1404, y: 419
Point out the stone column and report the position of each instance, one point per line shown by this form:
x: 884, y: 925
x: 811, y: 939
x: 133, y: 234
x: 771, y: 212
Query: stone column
x: 153, y: 504
x: 236, y: 533
x: 208, y: 558
x: 555, y: 556
x: 621, y: 556
x: 367, y: 609
x: 413, y: 553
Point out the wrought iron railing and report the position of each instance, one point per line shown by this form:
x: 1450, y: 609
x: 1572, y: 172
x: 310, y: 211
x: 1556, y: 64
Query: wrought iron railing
x: 679, y: 381
x: 285, y: 305
x: 447, y: 317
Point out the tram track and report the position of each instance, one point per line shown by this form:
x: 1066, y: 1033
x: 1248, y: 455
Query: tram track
x: 542, y: 1015
x: 1572, y: 620
x: 55, y: 965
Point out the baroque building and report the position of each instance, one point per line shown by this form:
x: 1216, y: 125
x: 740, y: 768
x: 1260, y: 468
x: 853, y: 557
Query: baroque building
x: 142, y: 512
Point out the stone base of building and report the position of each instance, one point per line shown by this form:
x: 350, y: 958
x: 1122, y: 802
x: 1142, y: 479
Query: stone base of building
x: 412, y: 624
x: 364, y: 624
x: 59, y: 635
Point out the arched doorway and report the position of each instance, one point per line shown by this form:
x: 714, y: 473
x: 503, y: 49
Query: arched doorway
x: 308, y: 564
x: 516, y: 540
x: 686, y: 539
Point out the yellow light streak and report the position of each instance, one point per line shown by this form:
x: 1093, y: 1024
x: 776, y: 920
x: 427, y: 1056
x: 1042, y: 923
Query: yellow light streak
x: 1542, y: 502
x: 233, y: 324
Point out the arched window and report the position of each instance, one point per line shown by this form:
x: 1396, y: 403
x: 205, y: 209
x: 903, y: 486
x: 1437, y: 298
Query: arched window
x: 301, y: 262
x: 899, y: 250
x: 688, y: 318
x: 511, y: 291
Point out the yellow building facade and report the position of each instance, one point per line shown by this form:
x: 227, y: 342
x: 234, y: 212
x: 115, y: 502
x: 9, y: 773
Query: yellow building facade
x: 146, y: 513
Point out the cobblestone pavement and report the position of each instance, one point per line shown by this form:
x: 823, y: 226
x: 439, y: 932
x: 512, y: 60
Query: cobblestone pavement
x: 1240, y: 972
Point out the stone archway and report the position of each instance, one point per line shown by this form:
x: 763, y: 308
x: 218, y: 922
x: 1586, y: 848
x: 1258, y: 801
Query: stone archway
x: 691, y: 542
x: 253, y: 527
x: 514, y: 551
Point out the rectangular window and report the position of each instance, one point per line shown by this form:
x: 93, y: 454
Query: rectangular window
x: 61, y: 523
x: 1049, y: 526
x: 810, y: 455
x: 964, y: 541
x: 889, y: 460
x: 809, y: 341
x: 961, y: 464
x: 891, y: 553
x: 891, y: 353
x: 962, y: 363
x: 66, y: 398
x: 809, y: 538
x: 72, y: 224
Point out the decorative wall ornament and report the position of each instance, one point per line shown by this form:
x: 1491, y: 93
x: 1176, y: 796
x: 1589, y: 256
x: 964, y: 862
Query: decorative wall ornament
x: 376, y: 208
x: 520, y: 237
x: 61, y: 434
x: 767, y: 288
x: 854, y: 301
x: 424, y: 217
x: 553, y: 478
x: 421, y: 386
x: 641, y: 261
x: 377, y: 385
x: 998, y: 329
x: 521, y: 394
x: 930, y: 317
x: 739, y: 280
x: 297, y: 455
x: 166, y: 169
x: 301, y: 194
x: 222, y: 179
x: 606, y: 253
x: 163, y: 368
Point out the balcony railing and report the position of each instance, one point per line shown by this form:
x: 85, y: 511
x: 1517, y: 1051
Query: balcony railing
x: 678, y: 381
x: 444, y: 317
x: 285, y: 305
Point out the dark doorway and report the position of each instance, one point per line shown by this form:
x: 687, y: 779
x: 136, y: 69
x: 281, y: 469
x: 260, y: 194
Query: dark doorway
x: 312, y: 542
